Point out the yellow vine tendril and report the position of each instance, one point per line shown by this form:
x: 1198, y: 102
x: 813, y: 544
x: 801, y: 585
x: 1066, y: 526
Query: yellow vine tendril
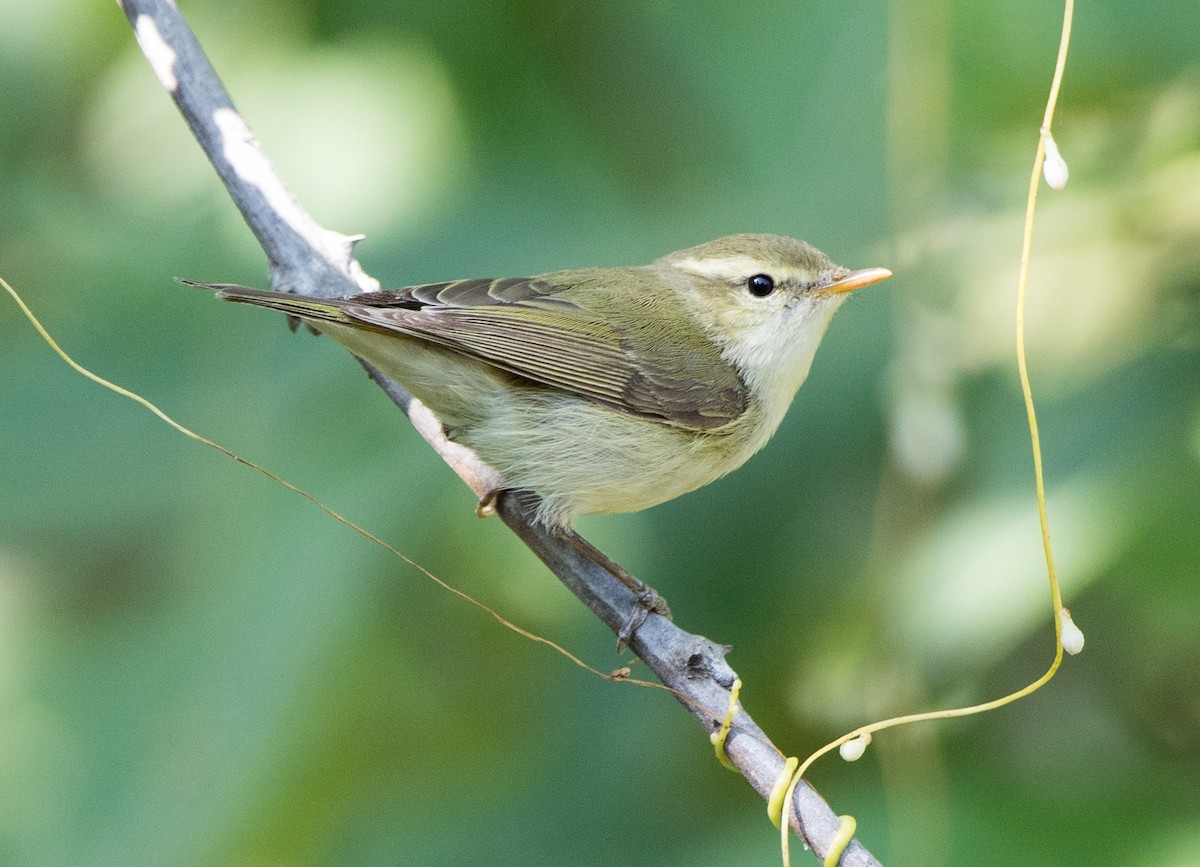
x: 1061, y: 615
x: 719, y: 737
x: 847, y: 825
x: 781, y: 794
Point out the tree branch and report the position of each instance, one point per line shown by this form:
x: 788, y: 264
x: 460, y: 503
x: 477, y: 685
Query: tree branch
x: 311, y: 260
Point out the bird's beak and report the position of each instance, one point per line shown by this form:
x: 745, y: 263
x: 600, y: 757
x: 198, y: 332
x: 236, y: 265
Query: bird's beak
x: 858, y: 279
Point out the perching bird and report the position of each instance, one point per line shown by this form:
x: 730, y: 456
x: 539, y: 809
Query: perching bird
x: 603, y: 389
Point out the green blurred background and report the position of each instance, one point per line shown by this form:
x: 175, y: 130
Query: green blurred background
x: 198, y: 668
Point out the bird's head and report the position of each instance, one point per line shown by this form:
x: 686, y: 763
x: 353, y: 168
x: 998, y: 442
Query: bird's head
x: 766, y: 301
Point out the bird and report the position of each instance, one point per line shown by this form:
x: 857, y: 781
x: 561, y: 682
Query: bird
x: 602, y: 390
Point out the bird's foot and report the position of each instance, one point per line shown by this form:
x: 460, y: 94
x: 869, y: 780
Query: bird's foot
x: 487, y: 503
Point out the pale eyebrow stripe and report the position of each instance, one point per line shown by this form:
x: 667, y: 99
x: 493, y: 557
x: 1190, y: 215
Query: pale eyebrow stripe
x: 736, y: 268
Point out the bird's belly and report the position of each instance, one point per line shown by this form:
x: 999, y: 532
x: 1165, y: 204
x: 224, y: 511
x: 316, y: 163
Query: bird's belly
x: 583, y: 458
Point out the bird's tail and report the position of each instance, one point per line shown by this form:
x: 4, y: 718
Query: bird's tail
x: 303, y: 306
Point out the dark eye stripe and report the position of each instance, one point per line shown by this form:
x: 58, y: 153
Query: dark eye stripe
x: 761, y: 285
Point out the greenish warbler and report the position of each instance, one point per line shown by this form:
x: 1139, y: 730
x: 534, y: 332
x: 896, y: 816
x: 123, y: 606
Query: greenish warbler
x: 603, y: 389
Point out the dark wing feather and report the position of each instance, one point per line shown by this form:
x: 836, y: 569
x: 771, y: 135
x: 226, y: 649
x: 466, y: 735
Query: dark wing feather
x: 529, y: 327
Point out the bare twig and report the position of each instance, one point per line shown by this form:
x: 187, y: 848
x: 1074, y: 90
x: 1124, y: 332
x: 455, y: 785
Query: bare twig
x: 306, y: 258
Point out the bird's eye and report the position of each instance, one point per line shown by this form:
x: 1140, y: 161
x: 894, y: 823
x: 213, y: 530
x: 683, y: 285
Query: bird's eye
x: 761, y: 285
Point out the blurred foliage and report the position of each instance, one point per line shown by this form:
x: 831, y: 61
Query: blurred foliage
x: 198, y: 668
